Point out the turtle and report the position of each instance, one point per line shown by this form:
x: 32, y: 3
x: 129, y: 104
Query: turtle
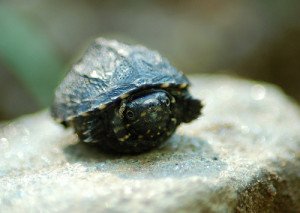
x: 124, y: 98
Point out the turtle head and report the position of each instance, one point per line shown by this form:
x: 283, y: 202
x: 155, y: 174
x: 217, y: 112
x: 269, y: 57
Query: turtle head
x: 148, y: 114
x: 144, y: 117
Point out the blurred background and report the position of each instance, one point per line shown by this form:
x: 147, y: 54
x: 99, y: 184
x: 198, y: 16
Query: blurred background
x: 39, y: 39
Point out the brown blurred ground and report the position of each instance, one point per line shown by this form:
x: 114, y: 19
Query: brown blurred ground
x: 256, y: 39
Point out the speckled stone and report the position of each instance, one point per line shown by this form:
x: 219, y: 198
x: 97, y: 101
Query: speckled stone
x: 243, y: 155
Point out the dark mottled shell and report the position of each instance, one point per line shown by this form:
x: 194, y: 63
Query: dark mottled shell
x: 107, y: 71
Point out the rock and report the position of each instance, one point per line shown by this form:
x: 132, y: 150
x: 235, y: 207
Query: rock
x: 243, y: 155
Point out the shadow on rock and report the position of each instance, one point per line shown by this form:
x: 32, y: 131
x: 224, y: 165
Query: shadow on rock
x: 181, y: 156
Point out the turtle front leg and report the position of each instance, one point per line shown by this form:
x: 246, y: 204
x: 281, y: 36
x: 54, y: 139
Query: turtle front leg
x: 187, y: 107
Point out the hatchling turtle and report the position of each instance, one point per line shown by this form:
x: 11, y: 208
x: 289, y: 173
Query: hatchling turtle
x: 126, y: 98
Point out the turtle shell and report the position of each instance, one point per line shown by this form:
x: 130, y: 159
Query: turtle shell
x: 110, y: 70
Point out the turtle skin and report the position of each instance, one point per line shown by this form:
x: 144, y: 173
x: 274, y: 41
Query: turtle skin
x: 109, y: 77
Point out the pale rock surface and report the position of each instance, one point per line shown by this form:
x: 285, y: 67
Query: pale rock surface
x: 243, y: 155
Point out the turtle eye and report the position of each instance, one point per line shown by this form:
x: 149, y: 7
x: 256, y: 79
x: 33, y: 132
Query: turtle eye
x: 168, y: 102
x: 130, y: 114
